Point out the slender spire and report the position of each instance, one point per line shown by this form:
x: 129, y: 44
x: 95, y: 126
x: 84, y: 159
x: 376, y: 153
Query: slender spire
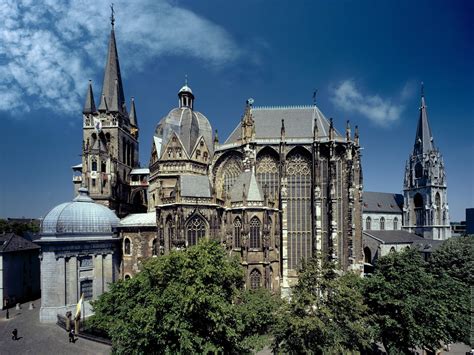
x: 424, y: 139
x: 133, y: 114
x: 89, y: 106
x: 348, y: 131
x: 356, y: 135
x: 112, y: 72
x: 115, y: 105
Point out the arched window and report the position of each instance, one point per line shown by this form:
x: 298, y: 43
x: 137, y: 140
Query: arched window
x: 195, y: 230
x: 418, y: 170
x: 94, y: 165
x: 169, y: 229
x: 368, y: 223
x: 382, y: 223
x: 154, y: 248
x: 103, y: 167
x: 255, y: 279
x: 395, y: 223
x: 255, y: 233
x: 419, y: 210
x: 438, y: 208
x: 392, y: 250
x: 231, y: 171
x: 237, y: 232
x: 298, y: 171
x: 267, y: 173
x: 127, y: 247
x: 367, y: 255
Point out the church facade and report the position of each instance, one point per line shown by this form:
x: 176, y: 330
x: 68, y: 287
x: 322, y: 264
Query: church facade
x: 284, y: 186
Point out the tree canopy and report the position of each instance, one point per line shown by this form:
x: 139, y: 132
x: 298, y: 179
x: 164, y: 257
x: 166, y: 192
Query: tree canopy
x: 326, y: 313
x: 183, y: 302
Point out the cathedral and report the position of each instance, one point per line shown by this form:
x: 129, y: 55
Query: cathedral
x: 285, y: 185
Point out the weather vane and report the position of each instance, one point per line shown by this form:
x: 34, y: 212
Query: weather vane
x: 112, y: 17
x: 314, y: 96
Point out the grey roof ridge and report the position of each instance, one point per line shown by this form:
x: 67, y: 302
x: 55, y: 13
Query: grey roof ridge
x: 279, y: 107
x: 373, y: 236
x: 232, y: 133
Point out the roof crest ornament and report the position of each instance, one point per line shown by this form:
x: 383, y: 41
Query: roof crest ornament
x: 112, y: 15
x: 315, y: 92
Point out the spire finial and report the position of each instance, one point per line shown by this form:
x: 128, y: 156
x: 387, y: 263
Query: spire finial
x: 422, y: 89
x: 112, y: 15
x: 315, y: 92
x: 186, y: 79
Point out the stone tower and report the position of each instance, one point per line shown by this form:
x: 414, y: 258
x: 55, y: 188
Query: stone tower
x: 426, y: 210
x: 110, y: 139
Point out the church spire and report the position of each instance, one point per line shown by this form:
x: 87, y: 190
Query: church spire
x: 112, y: 73
x: 133, y: 114
x: 424, y: 138
x: 89, y: 105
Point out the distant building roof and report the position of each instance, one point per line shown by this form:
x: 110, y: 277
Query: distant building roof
x: 139, y: 220
x: 11, y: 242
x: 195, y: 186
x: 299, y: 121
x: 395, y: 237
x: 382, y: 202
x: 140, y: 171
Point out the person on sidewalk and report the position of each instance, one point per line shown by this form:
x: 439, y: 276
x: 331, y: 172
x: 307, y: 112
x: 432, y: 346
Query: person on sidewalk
x: 15, y: 334
x: 71, y: 336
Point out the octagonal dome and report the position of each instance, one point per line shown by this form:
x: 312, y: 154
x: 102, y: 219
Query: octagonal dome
x: 80, y: 216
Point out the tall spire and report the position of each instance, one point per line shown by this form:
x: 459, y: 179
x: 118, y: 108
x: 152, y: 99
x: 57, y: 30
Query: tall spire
x: 133, y: 114
x: 424, y: 138
x: 89, y: 105
x: 112, y: 72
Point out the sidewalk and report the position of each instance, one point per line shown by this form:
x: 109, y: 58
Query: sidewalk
x: 39, y: 338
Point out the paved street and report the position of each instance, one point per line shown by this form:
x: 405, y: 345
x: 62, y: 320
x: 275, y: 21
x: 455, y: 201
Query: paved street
x: 38, y: 338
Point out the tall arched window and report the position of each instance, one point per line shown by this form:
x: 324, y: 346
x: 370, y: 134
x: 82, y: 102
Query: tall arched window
x: 419, y: 210
x: 395, y: 223
x: 299, y: 204
x: 169, y: 229
x: 255, y: 279
x: 231, y: 171
x: 368, y: 223
x: 237, y: 232
x: 267, y: 173
x: 382, y: 223
x: 418, y: 170
x: 438, y: 208
x: 367, y: 255
x: 154, y: 248
x: 94, y: 165
x: 255, y: 233
x: 195, y: 230
x: 127, y: 247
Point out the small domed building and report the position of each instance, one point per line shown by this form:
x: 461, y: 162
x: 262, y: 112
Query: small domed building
x: 80, y: 254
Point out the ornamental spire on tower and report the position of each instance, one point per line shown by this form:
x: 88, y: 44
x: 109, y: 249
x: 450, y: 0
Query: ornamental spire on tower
x: 112, y: 72
x: 424, y: 139
x: 89, y: 105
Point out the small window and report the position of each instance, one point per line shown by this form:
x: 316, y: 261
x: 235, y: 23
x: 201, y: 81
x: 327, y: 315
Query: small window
x: 127, y: 247
x: 198, y: 153
x: 418, y: 170
x: 255, y: 241
x: 395, y: 223
x: 204, y: 155
x: 255, y: 279
x: 154, y: 248
x: 170, y: 152
x: 103, y: 167
x: 94, y: 165
x: 368, y: 223
x: 86, y: 289
x: 237, y: 232
x: 382, y: 223
x: 93, y: 182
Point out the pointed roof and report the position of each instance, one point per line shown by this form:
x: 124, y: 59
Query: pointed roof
x: 115, y: 105
x: 246, y: 184
x: 89, y: 106
x: 133, y: 114
x: 424, y: 139
x: 111, y: 76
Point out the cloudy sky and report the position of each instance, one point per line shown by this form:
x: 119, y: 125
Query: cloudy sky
x: 366, y: 59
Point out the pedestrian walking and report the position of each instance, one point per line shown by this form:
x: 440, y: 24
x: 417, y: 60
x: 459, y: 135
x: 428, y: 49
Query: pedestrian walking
x: 15, y: 334
x: 71, y: 336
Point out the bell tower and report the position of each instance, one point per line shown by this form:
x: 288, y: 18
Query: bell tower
x: 110, y: 138
x: 426, y: 210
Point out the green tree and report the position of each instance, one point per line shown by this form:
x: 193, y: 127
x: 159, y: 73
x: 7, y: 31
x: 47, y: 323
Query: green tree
x: 326, y: 313
x: 179, y: 303
x: 413, y: 308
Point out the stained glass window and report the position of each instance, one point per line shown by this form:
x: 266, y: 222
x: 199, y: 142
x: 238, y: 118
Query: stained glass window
x: 255, y: 240
x: 255, y: 279
x: 267, y: 174
x: 237, y: 232
x: 196, y: 229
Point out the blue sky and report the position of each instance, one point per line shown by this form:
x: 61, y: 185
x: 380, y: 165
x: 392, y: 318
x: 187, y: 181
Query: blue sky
x: 366, y: 58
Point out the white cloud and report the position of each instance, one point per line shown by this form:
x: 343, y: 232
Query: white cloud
x: 50, y: 48
x: 381, y: 111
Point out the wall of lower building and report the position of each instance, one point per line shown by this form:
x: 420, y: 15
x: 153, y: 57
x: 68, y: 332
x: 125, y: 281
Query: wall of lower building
x: 141, y: 248
x: 375, y: 220
x: 21, y: 276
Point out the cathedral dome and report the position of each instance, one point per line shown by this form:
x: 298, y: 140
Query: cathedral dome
x: 80, y: 216
x: 188, y: 124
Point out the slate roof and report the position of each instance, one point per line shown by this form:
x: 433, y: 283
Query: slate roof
x: 110, y: 90
x: 139, y: 220
x: 382, y: 202
x: 299, y: 122
x: 424, y: 139
x: 395, y: 237
x: 195, y: 186
x: 246, y: 182
x: 11, y: 242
